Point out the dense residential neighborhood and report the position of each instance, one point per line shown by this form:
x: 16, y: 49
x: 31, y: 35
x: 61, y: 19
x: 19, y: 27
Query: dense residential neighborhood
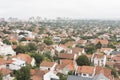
x: 61, y: 49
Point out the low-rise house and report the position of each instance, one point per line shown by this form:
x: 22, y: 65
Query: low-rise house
x: 105, y: 71
x: 49, y: 49
x: 100, y: 77
x: 16, y: 64
x: 107, y: 51
x: 6, y: 50
x: 74, y: 77
x: 56, y: 39
x: 104, y: 36
x: 104, y: 42
x: 71, y: 44
x: 43, y: 75
x: 86, y: 71
x: 21, y: 60
x: 2, y: 63
x: 25, y: 57
x: 91, y: 73
x: 65, y: 66
x: 115, y: 58
x: 60, y: 48
x: 81, y: 42
x: 77, y: 51
x: 115, y: 52
x: 67, y: 56
x: 46, y: 65
x: 50, y: 76
x: 98, y: 59
x: 118, y: 37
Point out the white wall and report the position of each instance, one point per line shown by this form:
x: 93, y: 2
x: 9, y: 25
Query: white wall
x: 46, y: 68
x: 50, y: 75
x: 33, y: 62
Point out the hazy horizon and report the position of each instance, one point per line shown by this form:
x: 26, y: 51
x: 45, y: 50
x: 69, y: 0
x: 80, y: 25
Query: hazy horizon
x: 75, y: 9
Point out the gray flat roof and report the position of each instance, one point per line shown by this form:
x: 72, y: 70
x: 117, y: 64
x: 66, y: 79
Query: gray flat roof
x: 72, y: 77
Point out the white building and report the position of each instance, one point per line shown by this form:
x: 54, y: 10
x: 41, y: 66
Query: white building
x: 99, y: 59
x: 56, y: 39
x: 21, y: 60
x: 86, y: 71
x: 16, y: 64
x: 50, y: 75
x: 6, y: 49
x: 45, y: 65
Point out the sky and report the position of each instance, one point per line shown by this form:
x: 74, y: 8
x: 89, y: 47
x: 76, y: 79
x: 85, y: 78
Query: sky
x: 83, y: 9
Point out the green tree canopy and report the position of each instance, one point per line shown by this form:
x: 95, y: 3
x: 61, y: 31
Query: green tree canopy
x: 21, y: 49
x: 48, y: 41
x: 23, y: 39
x: 23, y: 73
x: 98, y: 45
x: 6, y: 41
x: 32, y: 47
x: 83, y: 60
x: 1, y: 76
x: 90, y: 49
x: 38, y: 58
x: 62, y: 76
x: 27, y: 48
x: 48, y: 56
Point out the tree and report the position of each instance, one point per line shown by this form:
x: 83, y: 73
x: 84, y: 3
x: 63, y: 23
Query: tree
x: 14, y: 43
x: 1, y: 76
x: 23, y: 39
x: 23, y: 73
x: 90, y: 49
x: 6, y: 41
x: 62, y: 76
x: 36, y: 39
x: 71, y: 73
x: 48, y: 41
x: 22, y: 33
x: 32, y: 47
x: 48, y: 56
x: 38, y: 58
x: 83, y: 60
x: 98, y: 45
x: 66, y: 40
x: 21, y: 49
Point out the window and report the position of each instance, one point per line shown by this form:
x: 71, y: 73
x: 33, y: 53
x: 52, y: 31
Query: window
x: 102, y: 60
x: 84, y: 74
x: 90, y: 74
x: 7, y: 65
x: 48, y: 68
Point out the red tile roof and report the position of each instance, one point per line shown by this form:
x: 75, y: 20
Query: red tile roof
x: 65, y: 56
x: 99, y: 55
x: 24, y: 57
x: 105, y: 71
x: 76, y: 50
x: 47, y: 64
x: 5, y: 71
x: 66, y: 61
x: 37, y: 74
x: 2, y: 61
x: 85, y: 69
